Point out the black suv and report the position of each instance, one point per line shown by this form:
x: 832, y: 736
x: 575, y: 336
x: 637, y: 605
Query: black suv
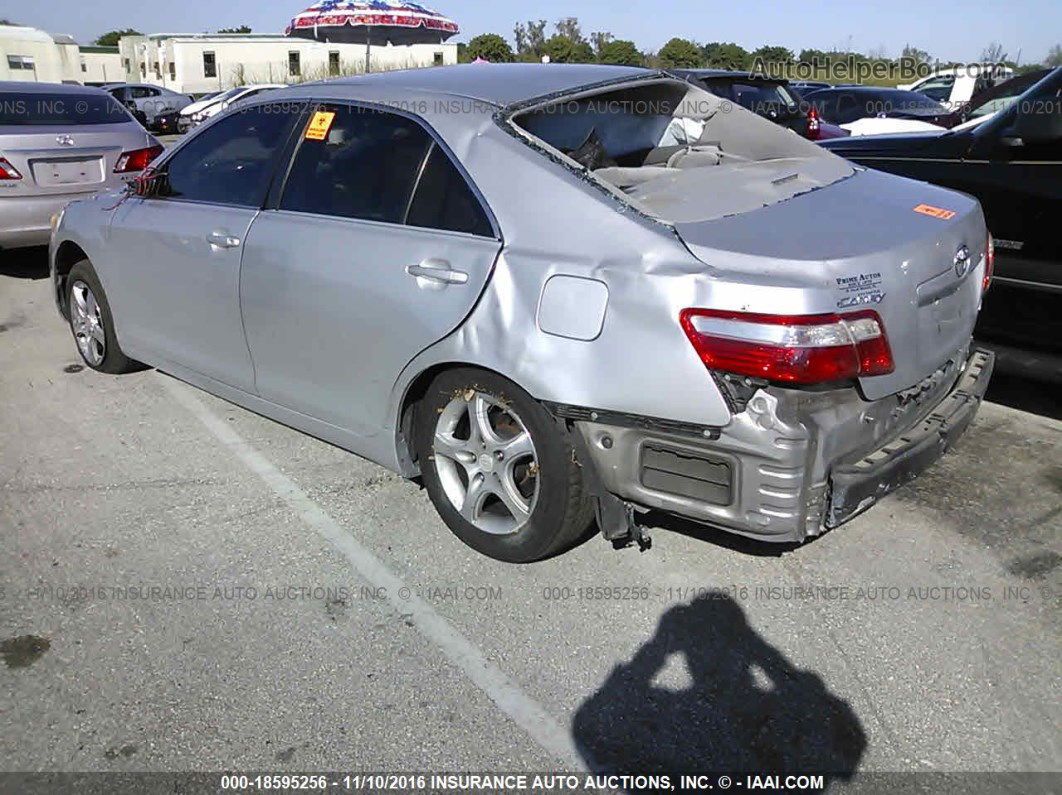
x: 1012, y: 162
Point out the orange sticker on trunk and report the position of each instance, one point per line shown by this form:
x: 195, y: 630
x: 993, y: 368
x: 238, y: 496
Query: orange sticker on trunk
x: 936, y: 212
x: 319, y: 126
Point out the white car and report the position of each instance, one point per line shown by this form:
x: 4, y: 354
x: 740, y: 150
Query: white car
x: 192, y: 116
x: 881, y: 125
x: 953, y: 87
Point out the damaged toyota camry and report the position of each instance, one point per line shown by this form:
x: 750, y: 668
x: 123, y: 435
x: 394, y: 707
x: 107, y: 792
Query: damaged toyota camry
x: 552, y: 294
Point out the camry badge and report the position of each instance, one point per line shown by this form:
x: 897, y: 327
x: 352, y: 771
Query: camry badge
x: 962, y: 261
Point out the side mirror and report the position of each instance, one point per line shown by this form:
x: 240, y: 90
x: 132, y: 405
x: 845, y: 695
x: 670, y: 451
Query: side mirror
x: 1038, y: 122
x: 147, y: 183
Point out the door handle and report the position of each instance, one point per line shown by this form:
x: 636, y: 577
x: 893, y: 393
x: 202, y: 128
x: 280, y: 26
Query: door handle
x: 438, y: 271
x: 221, y: 240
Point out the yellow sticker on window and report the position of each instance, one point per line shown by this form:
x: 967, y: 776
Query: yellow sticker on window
x: 320, y: 124
x: 935, y: 212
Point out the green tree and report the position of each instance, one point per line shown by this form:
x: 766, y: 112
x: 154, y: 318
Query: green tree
x: 621, y: 52
x: 490, y: 47
x: 561, y: 49
x: 1054, y: 56
x: 773, y: 55
x: 569, y: 26
x: 915, y: 54
x: 240, y: 29
x: 680, y: 54
x: 725, y: 55
x: 598, y: 40
x: 110, y: 39
x: 8, y: 22
x: 811, y: 55
x: 530, y: 38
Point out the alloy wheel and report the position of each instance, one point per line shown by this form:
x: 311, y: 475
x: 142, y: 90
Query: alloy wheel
x: 486, y: 462
x: 87, y: 322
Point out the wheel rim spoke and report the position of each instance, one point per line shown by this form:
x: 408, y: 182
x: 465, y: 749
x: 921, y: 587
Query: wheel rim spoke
x: 478, y: 491
x: 479, y: 473
x: 86, y: 319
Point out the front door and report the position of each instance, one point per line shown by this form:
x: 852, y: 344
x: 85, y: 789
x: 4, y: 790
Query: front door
x: 377, y: 248
x: 173, y: 275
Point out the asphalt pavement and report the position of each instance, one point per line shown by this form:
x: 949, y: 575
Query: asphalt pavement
x: 187, y: 586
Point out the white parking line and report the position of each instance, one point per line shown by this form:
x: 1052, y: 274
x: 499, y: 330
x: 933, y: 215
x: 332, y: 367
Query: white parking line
x: 506, y: 694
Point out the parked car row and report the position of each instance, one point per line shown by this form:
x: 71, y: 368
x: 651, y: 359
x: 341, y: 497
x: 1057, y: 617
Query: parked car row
x: 1006, y: 152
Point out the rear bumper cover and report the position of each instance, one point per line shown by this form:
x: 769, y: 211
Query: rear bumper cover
x: 26, y: 220
x: 860, y: 481
x: 793, y: 463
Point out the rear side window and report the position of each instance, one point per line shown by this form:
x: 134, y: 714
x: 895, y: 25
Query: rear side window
x: 66, y: 110
x: 232, y: 161
x: 443, y: 199
x: 365, y: 166
x: 378, y: 166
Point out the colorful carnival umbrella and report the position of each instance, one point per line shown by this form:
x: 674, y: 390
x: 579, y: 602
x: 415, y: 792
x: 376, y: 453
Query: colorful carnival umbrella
x: 372, y: 23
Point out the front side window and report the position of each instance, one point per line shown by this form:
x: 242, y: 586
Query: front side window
x: 294, y: 66
x: 231, y: 162
x: 210, y: 65
x: 333, y: 63
x: 376, y: 166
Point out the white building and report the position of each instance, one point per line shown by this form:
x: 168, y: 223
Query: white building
x: 198, y: 63
x: 30, y: 54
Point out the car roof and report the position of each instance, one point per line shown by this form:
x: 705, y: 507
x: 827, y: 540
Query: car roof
x: 498, y: 84
x: 48, y: 88
x: 732, y: 73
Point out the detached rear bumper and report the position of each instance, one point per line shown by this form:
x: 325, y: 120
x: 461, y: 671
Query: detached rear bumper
x: 859, y: 482
x: 793, y: 463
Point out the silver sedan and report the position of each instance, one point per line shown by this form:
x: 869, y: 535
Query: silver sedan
x: 59, y: 143
x: 553, y: 294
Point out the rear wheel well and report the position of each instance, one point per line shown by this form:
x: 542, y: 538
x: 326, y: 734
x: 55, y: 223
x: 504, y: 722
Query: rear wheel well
x: 415, y: 392
x: 68, y: 255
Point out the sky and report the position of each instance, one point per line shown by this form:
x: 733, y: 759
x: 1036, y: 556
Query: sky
x: 948, y: 29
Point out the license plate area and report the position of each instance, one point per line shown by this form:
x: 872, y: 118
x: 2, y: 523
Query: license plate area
x: 68, y: 171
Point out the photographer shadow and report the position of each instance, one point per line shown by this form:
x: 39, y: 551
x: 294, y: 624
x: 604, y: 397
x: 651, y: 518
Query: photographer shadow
x: 744, y: 707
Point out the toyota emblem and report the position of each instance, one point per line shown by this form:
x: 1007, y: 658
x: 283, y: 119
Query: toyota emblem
x: 962, y: 261
x: 64, y: 140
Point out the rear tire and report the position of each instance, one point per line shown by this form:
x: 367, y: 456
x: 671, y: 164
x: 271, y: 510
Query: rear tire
x: 92, y: 323
x: 500, y: 471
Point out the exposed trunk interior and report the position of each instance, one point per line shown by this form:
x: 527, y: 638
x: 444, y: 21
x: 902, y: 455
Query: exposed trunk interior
x: 677, y: 152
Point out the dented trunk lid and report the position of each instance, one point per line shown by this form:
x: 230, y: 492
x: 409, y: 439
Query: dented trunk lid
x: 871, y: 241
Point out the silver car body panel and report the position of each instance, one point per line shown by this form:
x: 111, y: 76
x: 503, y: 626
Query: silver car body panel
x: 338, y: 332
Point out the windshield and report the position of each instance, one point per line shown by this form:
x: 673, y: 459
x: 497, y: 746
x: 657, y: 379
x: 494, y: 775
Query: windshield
x: 765, y: 98
x: 66, y: 109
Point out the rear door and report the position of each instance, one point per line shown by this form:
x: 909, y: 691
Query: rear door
x: 377, y: 247
x: 173, y: 270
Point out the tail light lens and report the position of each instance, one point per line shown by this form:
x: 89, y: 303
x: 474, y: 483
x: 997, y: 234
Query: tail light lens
x: 799, y: 349
x: 990, y: 263
x: 813, y: 129
x: 137, y: 160
x: 8, y: 171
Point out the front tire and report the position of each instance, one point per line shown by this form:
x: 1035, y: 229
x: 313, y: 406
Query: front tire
x: 92, y: 323
x: 500, y: 471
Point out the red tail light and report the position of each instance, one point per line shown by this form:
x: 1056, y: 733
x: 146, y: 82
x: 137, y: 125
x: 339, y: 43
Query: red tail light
x: 799, y: 349
x: 137, y: 160
x: 990, y: 263
x: 8, y: 171
x: 813, y: 130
